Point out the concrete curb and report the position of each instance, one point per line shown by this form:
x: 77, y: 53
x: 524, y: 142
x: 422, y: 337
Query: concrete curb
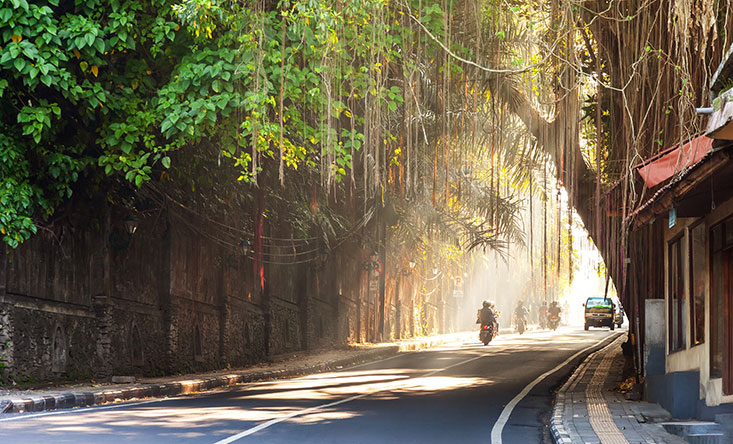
x: 560, y: 433
x: 189, y: 386
x: 177, y: 388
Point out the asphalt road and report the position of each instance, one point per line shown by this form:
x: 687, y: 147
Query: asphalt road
x: 452, y: 394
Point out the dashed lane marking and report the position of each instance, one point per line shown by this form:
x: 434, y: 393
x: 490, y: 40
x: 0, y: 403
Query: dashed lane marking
x: 307, y: 411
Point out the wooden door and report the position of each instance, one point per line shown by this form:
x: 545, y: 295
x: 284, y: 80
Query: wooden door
x: 721, y: 304
x: 728, y: 322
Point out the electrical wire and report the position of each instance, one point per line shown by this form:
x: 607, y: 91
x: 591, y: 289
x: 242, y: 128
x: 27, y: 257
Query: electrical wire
x: 232, y: 244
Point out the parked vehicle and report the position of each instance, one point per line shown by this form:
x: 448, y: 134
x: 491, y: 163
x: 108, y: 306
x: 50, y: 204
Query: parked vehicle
x: 599, y: 312
x: 487, y: 333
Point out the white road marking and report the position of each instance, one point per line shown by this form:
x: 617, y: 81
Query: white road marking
x: 349, y: 367
x: 504, y: 417
x: 80, y: 410
x: 86, y: 409
x: 272, y: 422
x: 495, y: 432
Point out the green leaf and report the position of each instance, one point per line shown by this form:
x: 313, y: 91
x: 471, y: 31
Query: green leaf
x: 99, y: 45
x: 167, y: 123
x: 20, y: 4
x: 166, y: 161
x: 19, y: 64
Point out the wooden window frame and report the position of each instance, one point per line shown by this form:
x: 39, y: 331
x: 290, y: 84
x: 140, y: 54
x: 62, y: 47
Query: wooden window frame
x: 691, y: 284
x: 678, y: 343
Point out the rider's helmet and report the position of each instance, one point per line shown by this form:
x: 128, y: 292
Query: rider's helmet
x: 486, y: 304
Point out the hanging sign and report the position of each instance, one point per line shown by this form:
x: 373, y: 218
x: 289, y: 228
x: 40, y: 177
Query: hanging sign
x: 672, y: 217
x: 458, y: 287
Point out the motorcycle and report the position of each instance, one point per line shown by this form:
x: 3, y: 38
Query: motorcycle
x: 543, y: 319
x: 486, y: 334
x: 521, y: 324
x: 553, y: 321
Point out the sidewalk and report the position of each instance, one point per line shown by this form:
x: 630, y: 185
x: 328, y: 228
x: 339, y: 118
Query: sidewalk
x: 587, y: 409
x: 281, y: 366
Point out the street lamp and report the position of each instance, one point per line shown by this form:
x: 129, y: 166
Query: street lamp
x: 245, y: 246
x: 374, y: 258
x: 130, y: 224
x: 119, y: 239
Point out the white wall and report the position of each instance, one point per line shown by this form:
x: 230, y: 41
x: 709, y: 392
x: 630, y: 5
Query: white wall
x: 695, y: 357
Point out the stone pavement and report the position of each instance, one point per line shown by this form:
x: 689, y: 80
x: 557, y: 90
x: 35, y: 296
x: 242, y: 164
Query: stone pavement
x: 282, y: 366
x: 588, y: 411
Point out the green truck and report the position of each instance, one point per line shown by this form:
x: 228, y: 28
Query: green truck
x: 599, y: 312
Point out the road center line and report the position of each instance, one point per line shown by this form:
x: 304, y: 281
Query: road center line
x: 309, y: 410
x: 504, y: 417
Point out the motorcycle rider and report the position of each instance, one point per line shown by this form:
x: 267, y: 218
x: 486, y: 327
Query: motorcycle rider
x: 486, y: 317
x: 543, y: 315
x: 553, y: 310
x: 521, y: 312
x: 497, y: 314
x: 486, y: 314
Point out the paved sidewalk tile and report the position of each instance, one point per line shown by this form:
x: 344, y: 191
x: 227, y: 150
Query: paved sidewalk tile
x: 587, y: 410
